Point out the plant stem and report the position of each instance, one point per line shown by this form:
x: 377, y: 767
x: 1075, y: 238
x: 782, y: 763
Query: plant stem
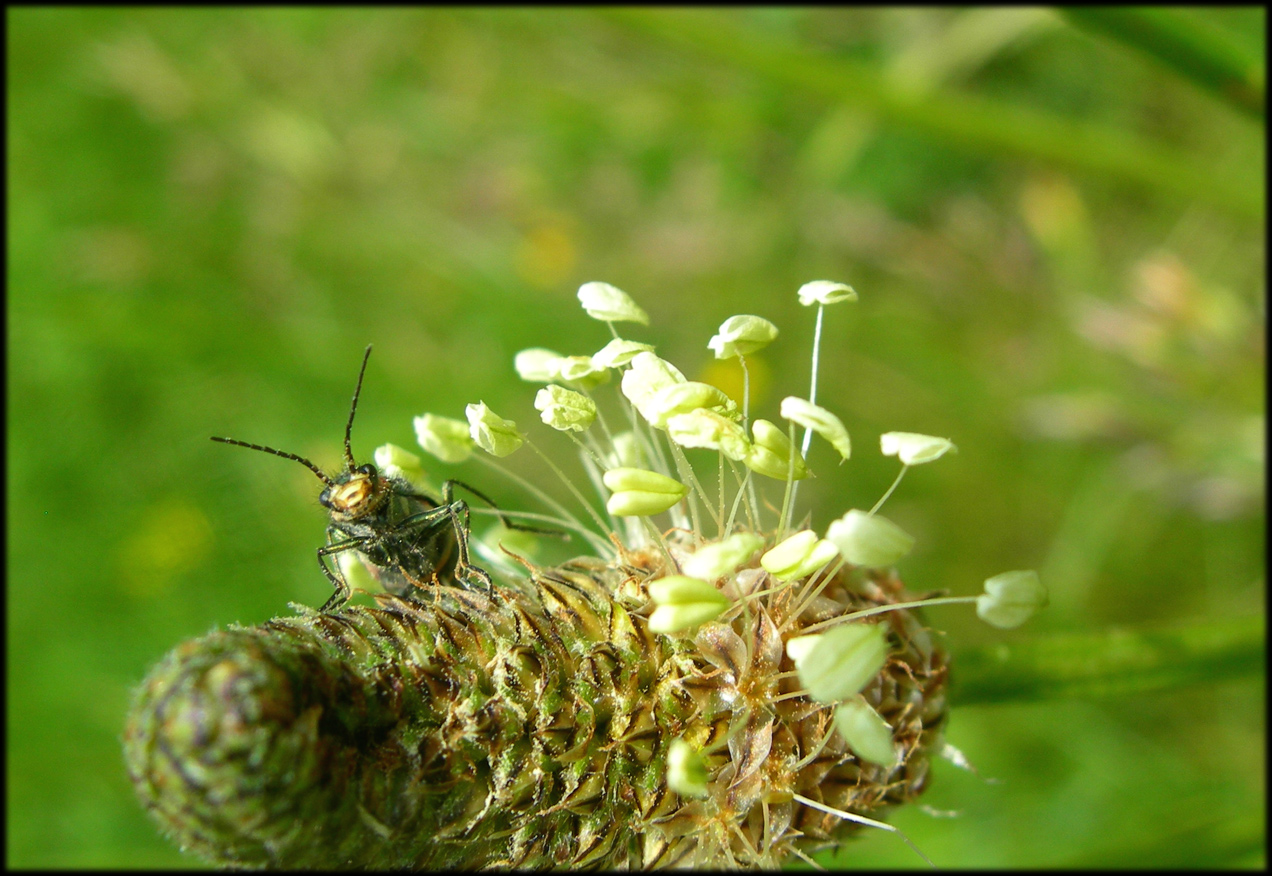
x: 1111, y: 662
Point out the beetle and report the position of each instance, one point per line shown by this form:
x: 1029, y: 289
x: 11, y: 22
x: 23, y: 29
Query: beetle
x: 405, y: 537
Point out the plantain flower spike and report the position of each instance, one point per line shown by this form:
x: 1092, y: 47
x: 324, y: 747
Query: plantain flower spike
x: 725, y: 689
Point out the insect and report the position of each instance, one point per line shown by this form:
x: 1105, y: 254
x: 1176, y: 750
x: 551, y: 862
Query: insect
x: 406, y: 538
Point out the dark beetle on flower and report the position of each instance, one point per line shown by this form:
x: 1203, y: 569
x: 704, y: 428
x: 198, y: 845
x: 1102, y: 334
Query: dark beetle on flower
x: 406, y: 538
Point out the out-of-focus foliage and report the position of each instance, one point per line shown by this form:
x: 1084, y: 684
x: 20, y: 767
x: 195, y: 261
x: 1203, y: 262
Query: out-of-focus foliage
x: 1057, y: 241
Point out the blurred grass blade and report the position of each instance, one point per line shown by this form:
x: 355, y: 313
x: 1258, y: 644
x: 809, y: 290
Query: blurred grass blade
x: 978, y: 123
x: 1109, y: 663
x: 1186, y: 43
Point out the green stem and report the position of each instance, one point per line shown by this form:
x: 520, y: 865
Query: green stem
x: 950, y: 116
x: 1112, y: 662
x: 1186, y: 43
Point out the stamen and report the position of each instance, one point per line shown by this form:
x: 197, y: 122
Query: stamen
x: 861, y: 819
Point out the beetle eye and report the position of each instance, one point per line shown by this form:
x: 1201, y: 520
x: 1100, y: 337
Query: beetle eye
x: 368, y: 470
x: 325, y: 498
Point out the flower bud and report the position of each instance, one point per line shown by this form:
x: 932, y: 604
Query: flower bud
x: 395, y: 462
x: 741, y: 336
x: 443, y: 437
x: 771, y: 453
x: 681, y: 398
x: 640, y: 493
x: 683, y: 602
x: 838, y: 663
x: 535, y: 364
x: 723, y: 557
x: 646, y: 376
x: 686, y: 770
x: 798, y: 556
x: 564, y: 410
x: 704, y: 428
x: 912, y: 448
x: 493, y: 434
x: 610, y: 304
x: 1011, y: 598
x: 825, y: 292
x: 866, y: 733
x: 869, y: 540
x: 804, y: 413
x: 618, y: 352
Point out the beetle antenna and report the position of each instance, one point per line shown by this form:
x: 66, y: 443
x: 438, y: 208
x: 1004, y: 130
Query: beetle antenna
x: 353, y: 410
x: 313, y: 468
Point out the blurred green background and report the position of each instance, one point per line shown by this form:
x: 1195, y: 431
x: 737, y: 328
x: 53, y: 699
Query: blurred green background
x: 1054, y: 223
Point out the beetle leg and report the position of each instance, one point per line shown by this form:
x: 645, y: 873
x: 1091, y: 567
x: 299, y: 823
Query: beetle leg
x: 341, y: 596
x: 458, y: 510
